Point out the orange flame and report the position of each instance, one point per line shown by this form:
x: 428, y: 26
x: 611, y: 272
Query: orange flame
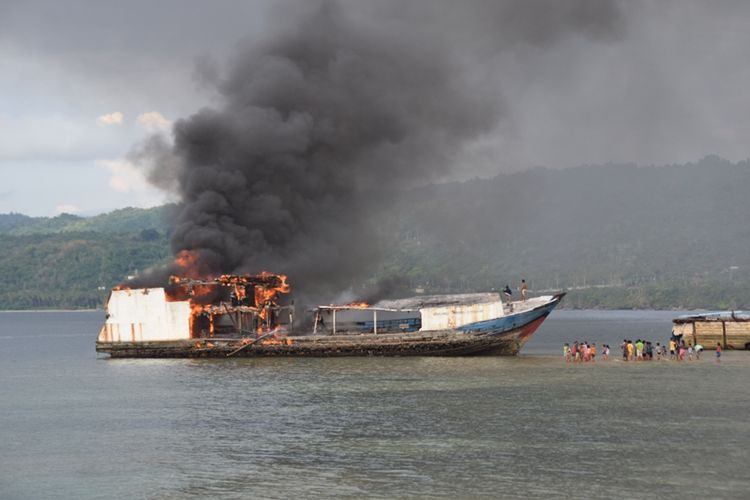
x: 355, y: 305
x: 267, y: 295
x: 195, y: 311
x: 271, y: 341
x: 188, y: 264
x: 274, y: 340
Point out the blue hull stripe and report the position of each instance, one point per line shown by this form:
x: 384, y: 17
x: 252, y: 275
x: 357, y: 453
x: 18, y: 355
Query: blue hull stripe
x: 498, y: 326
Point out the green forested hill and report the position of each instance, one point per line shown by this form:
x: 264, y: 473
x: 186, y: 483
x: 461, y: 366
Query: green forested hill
x: 71, y: 262
x: 125, y: 220
x: 73, y: 269
x: 617, y: 235
x: 613, y: 235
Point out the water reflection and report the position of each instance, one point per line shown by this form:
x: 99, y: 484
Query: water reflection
x: 81, y: 426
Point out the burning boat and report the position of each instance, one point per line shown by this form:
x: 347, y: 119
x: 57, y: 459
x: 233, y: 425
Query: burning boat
x: 243, y: 315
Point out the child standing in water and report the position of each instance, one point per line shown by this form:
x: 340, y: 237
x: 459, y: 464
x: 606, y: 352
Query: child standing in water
x: 718, y: 352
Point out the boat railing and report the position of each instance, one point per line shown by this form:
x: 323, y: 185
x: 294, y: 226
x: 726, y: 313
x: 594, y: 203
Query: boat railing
x: 333, y: 309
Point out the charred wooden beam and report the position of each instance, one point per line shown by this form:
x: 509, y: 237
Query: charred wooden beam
x: 262, y: 280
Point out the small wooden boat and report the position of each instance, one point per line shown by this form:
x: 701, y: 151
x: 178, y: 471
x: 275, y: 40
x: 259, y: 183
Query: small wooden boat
x: 731, y: 329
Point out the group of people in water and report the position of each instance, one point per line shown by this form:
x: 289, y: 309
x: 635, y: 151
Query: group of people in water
x: 640, y: 350
x: 583, y: 352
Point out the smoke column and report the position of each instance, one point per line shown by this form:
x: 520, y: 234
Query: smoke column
x: 320, y: 127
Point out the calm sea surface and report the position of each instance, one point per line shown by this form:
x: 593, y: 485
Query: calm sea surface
x: 76, y: 425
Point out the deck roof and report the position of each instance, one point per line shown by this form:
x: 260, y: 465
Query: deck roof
x: 422, y: 301
x: 714, y: 316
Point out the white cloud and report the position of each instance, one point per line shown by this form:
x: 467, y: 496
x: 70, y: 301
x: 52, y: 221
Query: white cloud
x: 153, y: 120
x: 126, y: 177
x: 110, y: 119
x: 129, y: 180
x: 67, y: 209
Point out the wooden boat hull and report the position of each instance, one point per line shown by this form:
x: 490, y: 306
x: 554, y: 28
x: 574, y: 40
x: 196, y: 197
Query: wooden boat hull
x: 501, y: 336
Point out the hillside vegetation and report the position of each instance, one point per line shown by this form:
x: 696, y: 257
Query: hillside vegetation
x: 615, y: 236
x: 125, y: 220
x: 72, y: 262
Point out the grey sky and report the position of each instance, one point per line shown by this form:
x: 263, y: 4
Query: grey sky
x: 665, y: 83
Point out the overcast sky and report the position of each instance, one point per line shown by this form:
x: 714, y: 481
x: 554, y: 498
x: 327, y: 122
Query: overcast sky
x: 82, y: 82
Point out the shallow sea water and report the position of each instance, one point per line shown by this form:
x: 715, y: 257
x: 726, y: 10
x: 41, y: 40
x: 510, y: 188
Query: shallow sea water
x: 77, y: 425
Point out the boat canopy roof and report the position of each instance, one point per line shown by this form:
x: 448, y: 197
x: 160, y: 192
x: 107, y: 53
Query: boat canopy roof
x: 714, y: 316
x: 420, y: 302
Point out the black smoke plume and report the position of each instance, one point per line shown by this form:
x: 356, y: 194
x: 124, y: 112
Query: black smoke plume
x: 321, y: 127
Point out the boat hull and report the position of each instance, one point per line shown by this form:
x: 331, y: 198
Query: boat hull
x: 501, y: 336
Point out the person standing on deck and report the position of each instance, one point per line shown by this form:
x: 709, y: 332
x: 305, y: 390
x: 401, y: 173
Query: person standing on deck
x: 507, y: 292
x: 524, y: 287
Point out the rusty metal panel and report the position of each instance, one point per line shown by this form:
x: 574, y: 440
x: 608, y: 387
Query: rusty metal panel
x: 105, y: 334
x: 145, y: 315
x: 453, y: 316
